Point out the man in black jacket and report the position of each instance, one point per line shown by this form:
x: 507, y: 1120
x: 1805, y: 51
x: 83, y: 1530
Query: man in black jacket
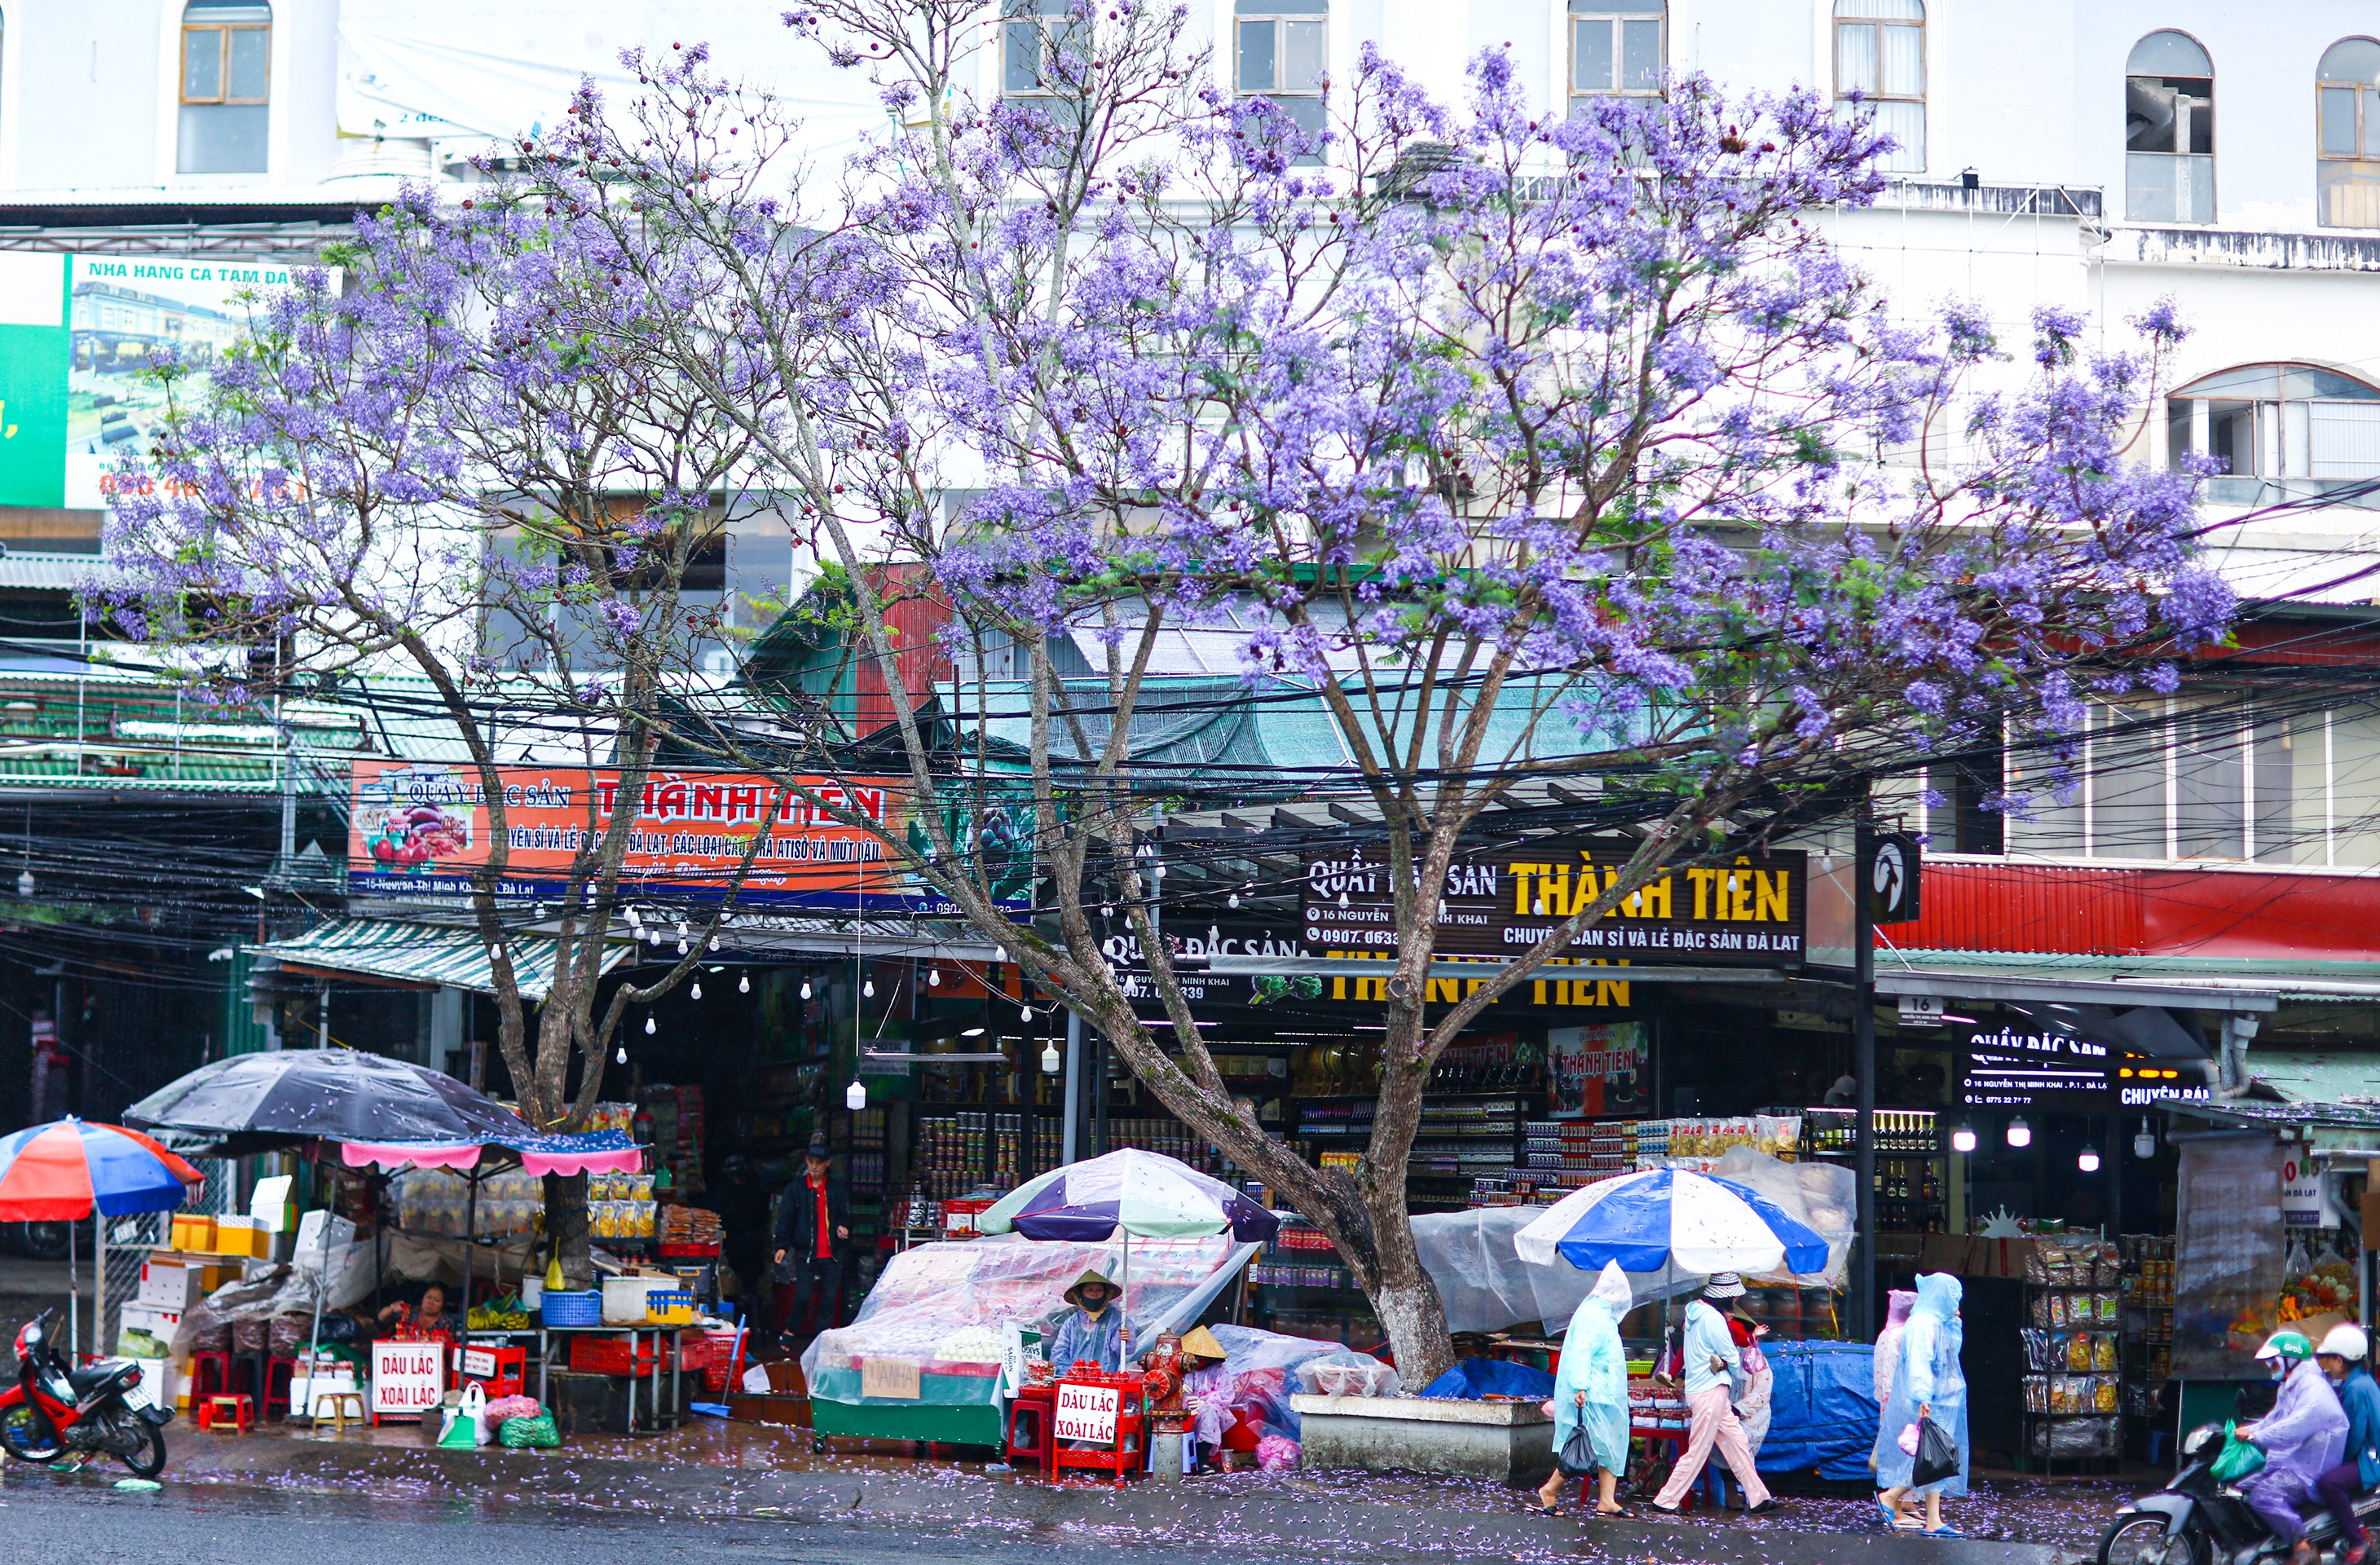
x: 813, y: 1240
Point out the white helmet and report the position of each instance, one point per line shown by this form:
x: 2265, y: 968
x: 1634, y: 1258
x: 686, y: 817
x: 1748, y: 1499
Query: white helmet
x: 2345, y: 1341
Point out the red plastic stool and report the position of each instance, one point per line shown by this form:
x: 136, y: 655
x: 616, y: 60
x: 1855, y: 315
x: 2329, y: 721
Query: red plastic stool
x: 279, y: 1373
x: 1029, y: 1425
x: 210, y: 1374
x: 239, y: 1407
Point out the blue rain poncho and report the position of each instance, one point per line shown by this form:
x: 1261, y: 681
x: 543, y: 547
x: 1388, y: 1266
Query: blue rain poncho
x: 1929, y: 1373
x: 1592, y: 1362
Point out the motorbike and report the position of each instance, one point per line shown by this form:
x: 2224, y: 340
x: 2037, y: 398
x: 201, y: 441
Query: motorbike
x: 53, y: 1411
x: 2198, y: 1519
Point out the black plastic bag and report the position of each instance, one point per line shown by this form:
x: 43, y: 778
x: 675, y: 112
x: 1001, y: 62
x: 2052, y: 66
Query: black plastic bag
x: 1938, y: 1456
x: 1576, y: 1458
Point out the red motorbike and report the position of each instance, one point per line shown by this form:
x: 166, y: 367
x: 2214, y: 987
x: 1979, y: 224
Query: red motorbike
x: 53, y: 1411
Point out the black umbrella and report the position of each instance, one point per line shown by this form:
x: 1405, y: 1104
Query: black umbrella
x: 250, y: 1101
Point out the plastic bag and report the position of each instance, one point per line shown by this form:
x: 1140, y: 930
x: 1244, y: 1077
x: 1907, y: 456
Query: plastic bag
x: 1576, y: 1458
x: 502, y: 1408
x: 1938, y: 1456
x: 467, y: 1425
x: 2239, y: 1457
x: 529, y: 1434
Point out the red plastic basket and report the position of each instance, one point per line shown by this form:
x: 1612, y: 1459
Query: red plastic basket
x: 608, y: 1355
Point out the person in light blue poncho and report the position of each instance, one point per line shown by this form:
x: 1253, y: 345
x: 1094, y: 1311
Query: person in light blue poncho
x: 1591, y: 1390
x: 1928, y: 1382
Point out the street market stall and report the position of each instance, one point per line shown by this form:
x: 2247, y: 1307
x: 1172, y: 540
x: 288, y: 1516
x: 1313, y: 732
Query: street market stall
x: 943, y: 1337
x: 2269, y: 1233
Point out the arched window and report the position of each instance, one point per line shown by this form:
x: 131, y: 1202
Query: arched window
x: 1617, y: 48
x: 2278, y: 430
x: 226, y: 86
x: 1281, y: 53
x: 2347, y: 135
x: 2170, y: 131
x: 1881, y: 62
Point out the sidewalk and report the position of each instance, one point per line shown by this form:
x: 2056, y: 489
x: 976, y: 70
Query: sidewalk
x: 717, y: 1469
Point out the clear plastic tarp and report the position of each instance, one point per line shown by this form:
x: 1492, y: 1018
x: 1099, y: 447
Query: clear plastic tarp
x: 944, y: 1321
x: 1263, y: 1369
x: 1487, y: 1286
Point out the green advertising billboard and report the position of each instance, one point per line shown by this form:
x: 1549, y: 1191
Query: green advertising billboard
x: 78, y: 333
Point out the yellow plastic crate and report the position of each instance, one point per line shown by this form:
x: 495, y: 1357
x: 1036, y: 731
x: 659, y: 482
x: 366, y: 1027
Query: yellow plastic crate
x: 663, y: 1307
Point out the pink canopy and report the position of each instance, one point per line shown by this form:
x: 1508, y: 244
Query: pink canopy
x: 392, y: 1155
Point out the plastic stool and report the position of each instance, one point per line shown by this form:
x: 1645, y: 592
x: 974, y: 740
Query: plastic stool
x: 210, y: 1373
x: 279, y: 1373
x: 238, y: 1406
x: 344, y: 1404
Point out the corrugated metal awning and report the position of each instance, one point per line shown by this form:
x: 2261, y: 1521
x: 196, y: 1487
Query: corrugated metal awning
x: 422, y: 953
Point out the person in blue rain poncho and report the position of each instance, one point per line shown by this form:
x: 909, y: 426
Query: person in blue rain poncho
x: 1591, y: 1390
x: 1928, y: 1382
x: 2301, y: 1439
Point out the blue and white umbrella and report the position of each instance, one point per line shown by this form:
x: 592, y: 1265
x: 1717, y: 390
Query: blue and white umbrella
x: 1669, y: 1218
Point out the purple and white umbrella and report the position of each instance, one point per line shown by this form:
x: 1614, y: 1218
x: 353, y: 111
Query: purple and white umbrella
x: 1127, y: 1192
x: 1141, y: 1192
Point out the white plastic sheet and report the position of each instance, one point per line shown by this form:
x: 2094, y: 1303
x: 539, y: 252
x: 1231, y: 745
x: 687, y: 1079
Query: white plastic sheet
x: 942, y: 1307
x: 1487, y: 1286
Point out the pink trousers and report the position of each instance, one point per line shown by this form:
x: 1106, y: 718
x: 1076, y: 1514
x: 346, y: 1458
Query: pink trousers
x: 1710, y: 1420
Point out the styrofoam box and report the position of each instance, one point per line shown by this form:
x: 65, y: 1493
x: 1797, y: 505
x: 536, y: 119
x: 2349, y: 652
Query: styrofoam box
x: 160, y: 1324
x: 167, y: 1286
x: 623, y: 1297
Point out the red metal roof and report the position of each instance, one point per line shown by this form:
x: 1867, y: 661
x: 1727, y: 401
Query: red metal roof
x: 2089, y: 910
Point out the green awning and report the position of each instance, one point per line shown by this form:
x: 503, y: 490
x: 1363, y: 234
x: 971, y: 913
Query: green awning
x: 422, y: 953
x: 2306, y: 1076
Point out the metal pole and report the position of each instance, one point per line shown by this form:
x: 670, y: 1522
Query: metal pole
x: 1073, y: 1113
x: 1100, y: 1097
x: 1864, y: 1068
x: 74, y: 1294
x: 99, y: 1343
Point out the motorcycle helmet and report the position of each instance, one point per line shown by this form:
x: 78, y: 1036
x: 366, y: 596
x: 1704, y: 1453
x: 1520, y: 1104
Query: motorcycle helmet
x: 2286, y: 1347
x: 2346, y: 1341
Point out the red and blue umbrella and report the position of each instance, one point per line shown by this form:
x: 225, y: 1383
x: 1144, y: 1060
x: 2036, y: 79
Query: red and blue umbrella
x: 59, y: 1172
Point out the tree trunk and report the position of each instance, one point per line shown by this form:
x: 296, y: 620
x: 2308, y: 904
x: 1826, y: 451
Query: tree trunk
x: 1415, y: 1319
x: 567, y: 1228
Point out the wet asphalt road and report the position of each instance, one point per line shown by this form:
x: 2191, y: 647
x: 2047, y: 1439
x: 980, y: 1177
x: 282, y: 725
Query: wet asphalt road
x: 87, y: 1521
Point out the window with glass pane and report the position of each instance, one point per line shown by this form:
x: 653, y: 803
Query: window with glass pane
x: 2128, y: 780
x: 1281, y: 54
x: 1035, y: 40
x: 2278, y: 431
x: 1617, y: 48
x: 2347, y: 135
x: 2170, y: 131
x: 227, y: 71
x: 1880, y: 70
x: 2354, y: 735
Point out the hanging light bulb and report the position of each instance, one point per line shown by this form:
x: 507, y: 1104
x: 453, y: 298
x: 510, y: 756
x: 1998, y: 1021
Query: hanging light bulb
x: 620, y: 1055
x: 867, y: 989
x: 1963, y: 1139
x: 743, y: 983
x: 1342, y: 898
x: 805, y: 989
x: 1235, y: 899
x: 934, y: 976
x: 1049, y: 1060
x: 649, y: 1028
x: 681, y: 948
x: 2145, y: 1140
x: 2087, y: 1161
x: 695, y: 993
x: 855, y: 1097
x: 2019, y: 1133
x: 714, y: 942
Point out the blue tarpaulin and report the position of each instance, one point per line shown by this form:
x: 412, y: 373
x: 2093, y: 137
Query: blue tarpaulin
x: 1824, y: 1413
x: 1473, y: 1378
